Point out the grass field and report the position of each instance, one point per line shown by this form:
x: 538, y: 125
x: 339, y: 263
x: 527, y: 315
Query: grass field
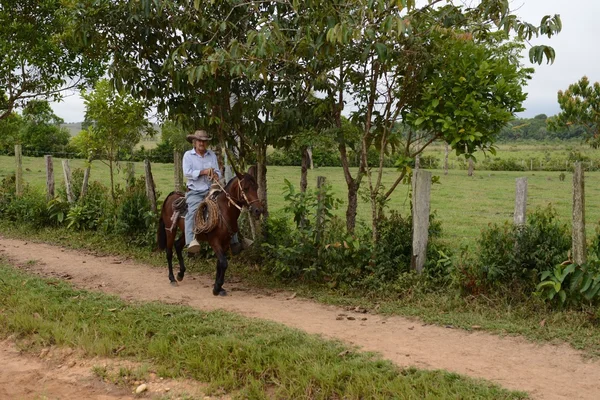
x: 246, y: 357
x: 463, y: 204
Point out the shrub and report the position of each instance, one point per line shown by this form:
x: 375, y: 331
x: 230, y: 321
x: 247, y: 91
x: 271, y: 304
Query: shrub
x: 30, y: 207
x: 510, y: 254
x: 571, y: 284
x: 134, y: 216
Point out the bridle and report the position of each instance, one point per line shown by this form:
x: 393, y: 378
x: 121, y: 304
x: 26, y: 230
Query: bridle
x: 236, y: 201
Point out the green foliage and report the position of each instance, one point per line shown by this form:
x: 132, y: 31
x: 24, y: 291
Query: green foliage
x: 342, y: 259
x: 514, y: 255
x: 579, y: 106
x: 501, y: 164
x: 571, y: 284
x: 40, y: 56
x: 30, y: 207
x: 134, y: 217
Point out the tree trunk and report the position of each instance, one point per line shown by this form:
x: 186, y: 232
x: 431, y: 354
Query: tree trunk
x: 19, y: 170
x: 471, y: 167
x: 446, y: 159
x: 352, y: 191
x: 112, y: 179
x: 261, y: 178
x: 352, y: 206
x: 304, y: 170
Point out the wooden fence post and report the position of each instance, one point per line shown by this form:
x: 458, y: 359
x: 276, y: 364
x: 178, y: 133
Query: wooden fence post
x: 471, y: 166
x: 150, y: 188
x: 320, y: 187
x: 579, y: 244
x: 421, y: 194
x: 67, y: 175
x: 521, y: 202
x: 49, y: 177
x: 19, y: 170
x: 178, y: 170
x: 86, y: 179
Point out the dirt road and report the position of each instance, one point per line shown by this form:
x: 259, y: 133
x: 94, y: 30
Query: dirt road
x: 545, y: 371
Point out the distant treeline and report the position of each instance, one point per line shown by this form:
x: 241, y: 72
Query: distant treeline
x: 536, y: 128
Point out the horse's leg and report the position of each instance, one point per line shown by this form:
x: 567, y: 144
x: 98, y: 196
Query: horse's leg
x: 221, y: 268
x: 170, y: 241
x: 179, y: 244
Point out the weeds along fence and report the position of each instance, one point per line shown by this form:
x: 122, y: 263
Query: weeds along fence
x: 421, y: 199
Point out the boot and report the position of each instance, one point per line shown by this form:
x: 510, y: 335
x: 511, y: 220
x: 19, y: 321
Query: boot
x: 193, y: 247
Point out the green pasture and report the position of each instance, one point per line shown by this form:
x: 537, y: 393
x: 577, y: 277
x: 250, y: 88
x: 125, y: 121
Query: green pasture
x: 463, y: 204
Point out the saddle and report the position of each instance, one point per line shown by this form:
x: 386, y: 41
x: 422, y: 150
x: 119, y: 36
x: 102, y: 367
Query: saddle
x: 207, y: 214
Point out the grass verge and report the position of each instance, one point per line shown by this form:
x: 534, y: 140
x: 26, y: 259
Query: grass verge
x: 254, y: 358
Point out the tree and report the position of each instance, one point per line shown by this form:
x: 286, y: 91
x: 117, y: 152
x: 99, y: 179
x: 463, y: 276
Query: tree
x: 118, y: 122
x: 580, y: 105
x: 389, y: 58
x: 10, y: 128
x: 41, y: 130
x: 40, y: 56
x: 223, y: 66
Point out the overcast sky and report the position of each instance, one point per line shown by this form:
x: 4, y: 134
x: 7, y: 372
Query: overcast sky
x: 576, y: 55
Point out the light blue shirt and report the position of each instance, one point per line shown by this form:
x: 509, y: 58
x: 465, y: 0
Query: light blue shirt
x: 193, y: 163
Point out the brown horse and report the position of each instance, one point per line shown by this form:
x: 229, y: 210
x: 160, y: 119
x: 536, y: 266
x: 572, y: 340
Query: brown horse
x: 241, y: 191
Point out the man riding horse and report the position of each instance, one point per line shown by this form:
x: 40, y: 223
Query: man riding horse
x: 200, y: 167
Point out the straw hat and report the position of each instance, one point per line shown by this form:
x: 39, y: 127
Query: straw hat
x: 198, y: 135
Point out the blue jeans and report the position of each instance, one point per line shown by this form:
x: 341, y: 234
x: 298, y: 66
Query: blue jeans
x: 193, y: 198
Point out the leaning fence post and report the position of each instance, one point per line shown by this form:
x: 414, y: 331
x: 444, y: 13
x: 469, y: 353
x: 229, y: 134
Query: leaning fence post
x: 19, y: 171
x: 579, y: 250
x: 67, y: 175
x: 85, y: 183
x: 49, y: 177
x: 521, y: 201
x: 150, y: 188
x: 178, y: 169
x: 421, y: 195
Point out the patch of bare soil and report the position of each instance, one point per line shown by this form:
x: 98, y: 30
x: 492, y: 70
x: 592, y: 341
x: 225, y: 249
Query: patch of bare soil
x: 61, y: 373
x: 544, y: 371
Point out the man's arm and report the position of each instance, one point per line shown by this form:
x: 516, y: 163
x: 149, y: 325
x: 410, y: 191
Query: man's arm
x: 188, y: 170
x: 215, y: 166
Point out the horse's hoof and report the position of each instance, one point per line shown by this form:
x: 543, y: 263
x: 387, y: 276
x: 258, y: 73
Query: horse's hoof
x: 173, y: 283
x: 179, y: 277
x: 221, y: 292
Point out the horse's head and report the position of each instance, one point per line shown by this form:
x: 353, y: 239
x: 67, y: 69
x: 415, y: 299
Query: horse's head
x: 248, y: 193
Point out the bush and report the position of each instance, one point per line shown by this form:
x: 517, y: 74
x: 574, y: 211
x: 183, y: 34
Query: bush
x: 571, y: 284
x: 510, y: 256
x: 341, y: 259
x: 498, y: 164
x: 134, y: 216
x: 30, y: 207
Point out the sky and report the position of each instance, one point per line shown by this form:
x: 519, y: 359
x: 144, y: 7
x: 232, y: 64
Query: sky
x: 576, y: 55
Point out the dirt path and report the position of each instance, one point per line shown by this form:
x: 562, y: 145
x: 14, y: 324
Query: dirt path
x: 544, y: 371
x: 25, y: 377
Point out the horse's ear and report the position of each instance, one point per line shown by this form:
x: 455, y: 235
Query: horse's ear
x: 239, y: 175
x: 252, y: 171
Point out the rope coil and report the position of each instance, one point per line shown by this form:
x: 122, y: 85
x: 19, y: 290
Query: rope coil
x: 202, y: 224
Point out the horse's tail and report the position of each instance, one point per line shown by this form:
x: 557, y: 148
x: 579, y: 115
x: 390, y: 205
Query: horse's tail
x: 161, y: 234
